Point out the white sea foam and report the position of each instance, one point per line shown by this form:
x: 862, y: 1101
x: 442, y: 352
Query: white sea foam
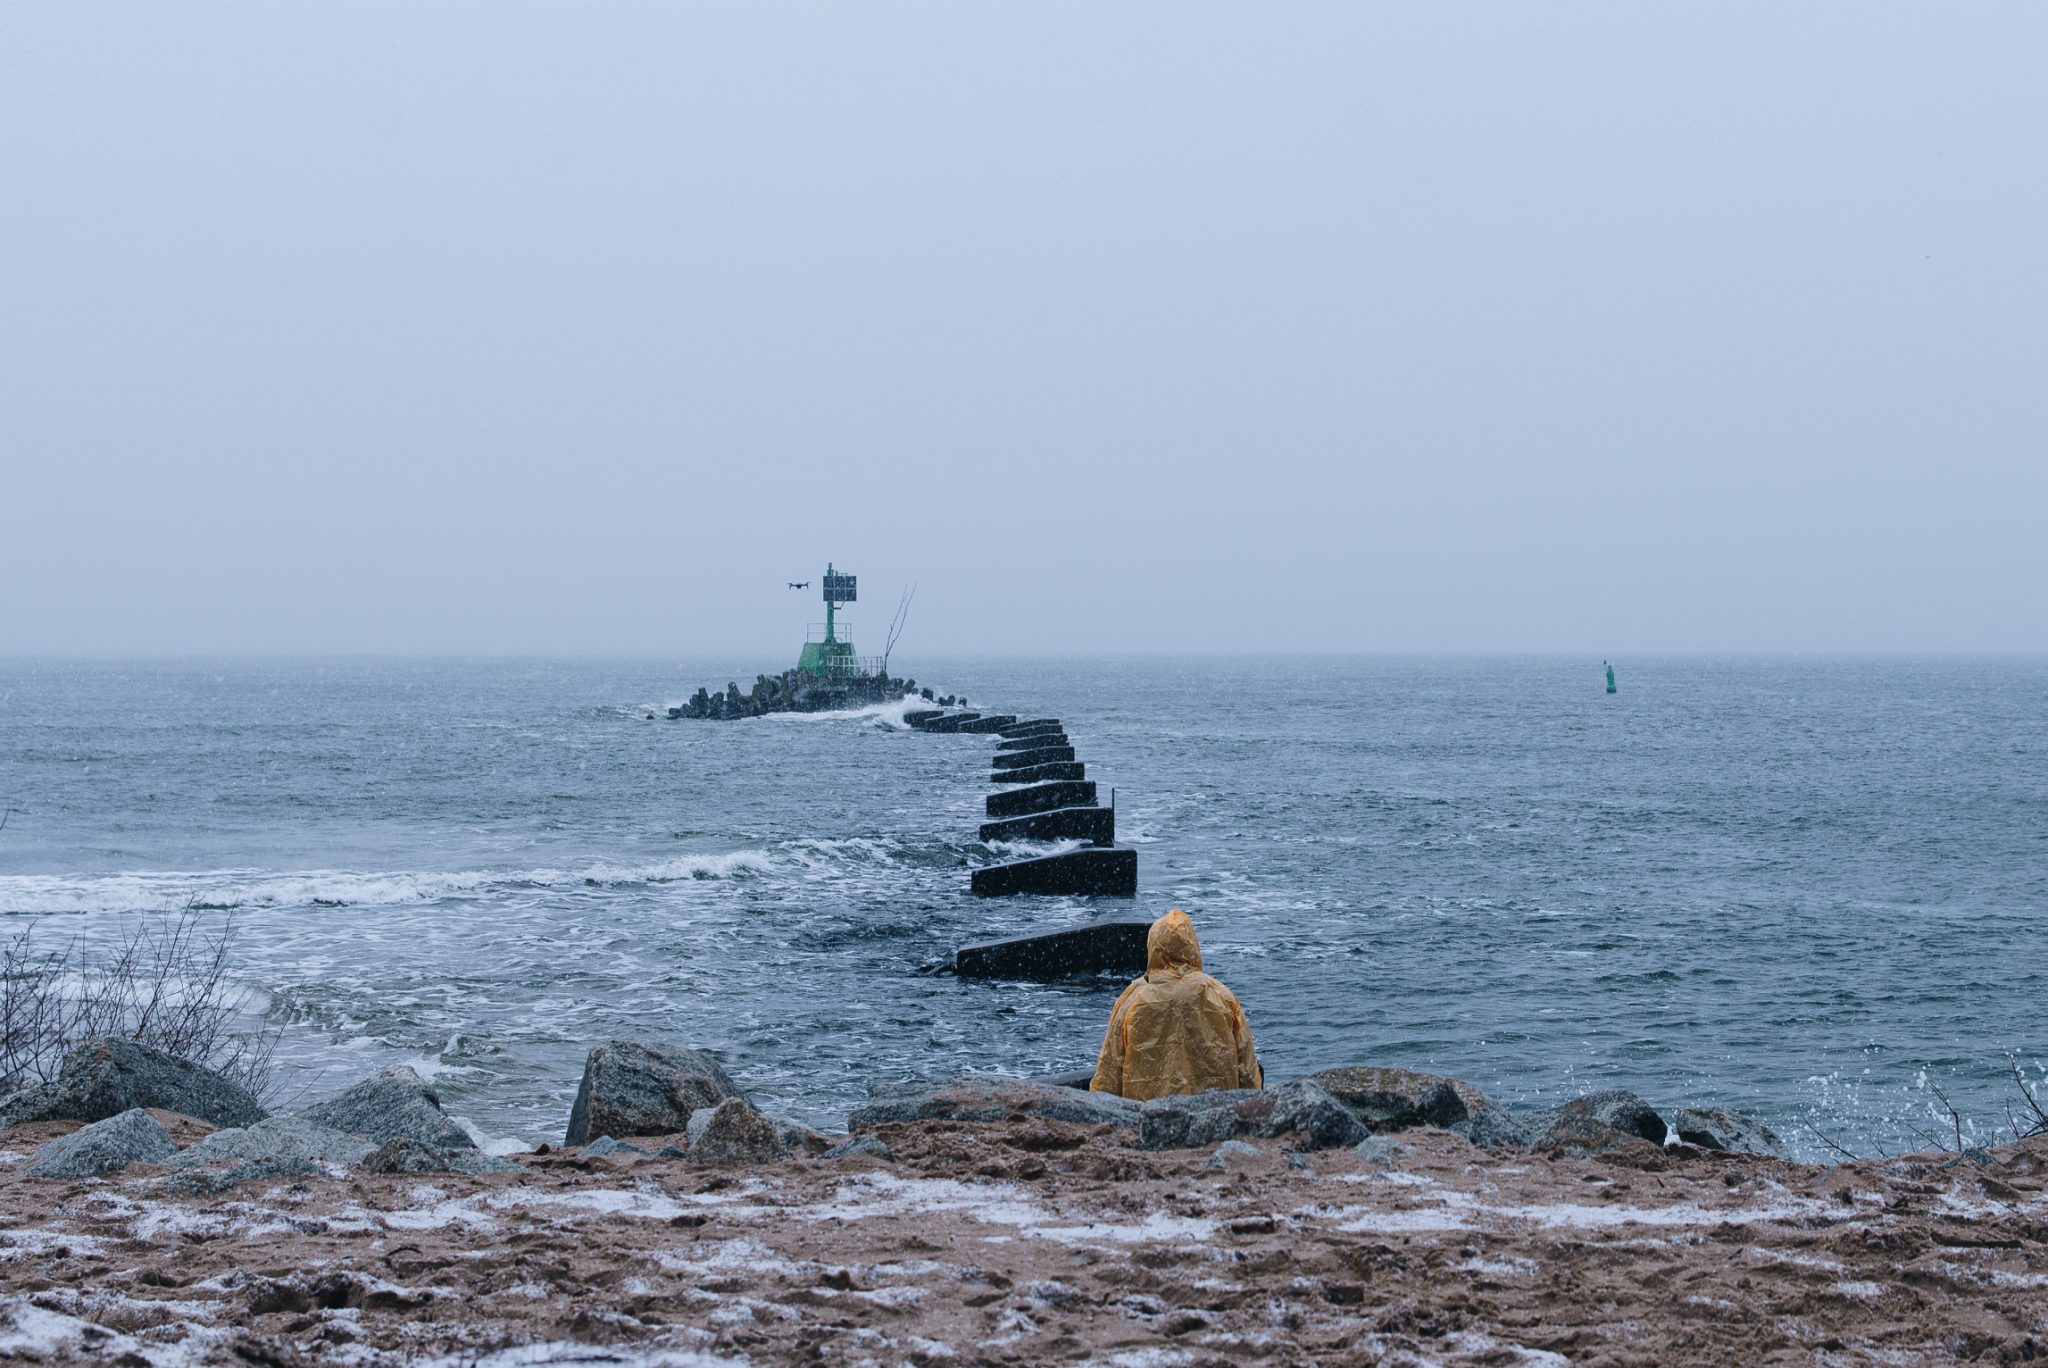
x: 222, y: 889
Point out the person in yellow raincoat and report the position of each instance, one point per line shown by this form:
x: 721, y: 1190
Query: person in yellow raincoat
x: 1176, y: 1030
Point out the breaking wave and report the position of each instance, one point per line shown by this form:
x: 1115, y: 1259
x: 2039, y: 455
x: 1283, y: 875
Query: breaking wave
x: 218, y: 890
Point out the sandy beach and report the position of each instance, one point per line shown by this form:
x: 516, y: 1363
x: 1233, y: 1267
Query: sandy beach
x: 1028, y: 1241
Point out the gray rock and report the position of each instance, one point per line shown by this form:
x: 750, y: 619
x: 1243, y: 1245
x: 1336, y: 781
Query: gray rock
x: 988, y: 1098
x: 855, y: 1146
x: 396, y: 1104
x: 734, y: 1133
x: 1232, y: 1152
x: 1601, y: 1123
x: 213, y: 1182
x: 1299, y: 1162
x: 105, y: 1076
x: 411, y: 1156
x: 798, y: 1138
x: 1299, y: 1108
x: 1383, y: 1151
x: 605, y: 1145
x: 1396, y: 1099
x: 1721, y: 1129
x: 630, y: 1088
x: 104, y: 1147
x: 278, y: 1140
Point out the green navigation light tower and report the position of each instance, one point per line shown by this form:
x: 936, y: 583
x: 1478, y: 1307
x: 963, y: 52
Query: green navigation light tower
x: 1610, y: 675
x: 831, y: 658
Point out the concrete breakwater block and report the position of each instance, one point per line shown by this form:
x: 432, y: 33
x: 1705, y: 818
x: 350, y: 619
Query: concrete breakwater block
x: 982, y: 724
x: 1038, y: 774
x: 1032, y: 726
x: 1041, y: 798
x: 1094, y: 824
x: 1044, y: 755
x: 1113, y: 947
x: 1090, y: 872
x: 1037, y: 742
x: 951, y: 722
x: 916, y: 718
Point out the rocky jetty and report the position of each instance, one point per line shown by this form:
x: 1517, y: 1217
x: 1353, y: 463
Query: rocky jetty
x: 795, y: 691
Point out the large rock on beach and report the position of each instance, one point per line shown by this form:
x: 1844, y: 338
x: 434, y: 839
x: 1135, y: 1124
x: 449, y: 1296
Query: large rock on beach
x: 1298, y: 1109
x: 631, y: 1088
x: 734, y: 1133
x: 1601, y: 1123
x: 104, y: 1147
x: 396, y: 1104
x: 106, y: 1076
x: 1387, y: 1099
x: 411, y: 1156
x: 1717, y: 1128
x: 279, y: 1140
x: 984, y: 1098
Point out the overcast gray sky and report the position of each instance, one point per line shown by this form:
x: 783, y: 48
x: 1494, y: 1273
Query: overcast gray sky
x: 530, y: 328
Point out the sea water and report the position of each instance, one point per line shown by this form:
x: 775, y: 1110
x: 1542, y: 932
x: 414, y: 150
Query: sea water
x: 1810, y: 889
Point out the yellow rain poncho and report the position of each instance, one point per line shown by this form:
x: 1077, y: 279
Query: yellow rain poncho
x: 1176, y: 1030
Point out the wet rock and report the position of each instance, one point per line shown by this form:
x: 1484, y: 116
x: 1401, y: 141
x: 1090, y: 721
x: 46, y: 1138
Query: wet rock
x: 396, y: 1104
x: 1395, y: 1099
x: 1720, y: 1129
x: 734, y: 1133
x: 105, y: 1076
x: 605, y: 1145
x: 1299, y: 1109
x: 1381, y: 1151
x: 975, y: 1098
x: 412, y: 1156
x: 277, y: 1140
x: 631, y: 1088
x: 1601, y: 1123
x: 104, y: 1147
x: 213, y: 1182
x: 1232, y: 1152
x: 855, y: 1146
x: 798, y: 1138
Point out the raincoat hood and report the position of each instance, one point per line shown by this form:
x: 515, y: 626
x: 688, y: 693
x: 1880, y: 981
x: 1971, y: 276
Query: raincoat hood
x: 1171, y: 944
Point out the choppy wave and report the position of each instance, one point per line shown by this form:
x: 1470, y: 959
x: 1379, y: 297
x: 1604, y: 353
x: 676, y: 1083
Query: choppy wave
x: 216, y: 890
x: 888, y: 714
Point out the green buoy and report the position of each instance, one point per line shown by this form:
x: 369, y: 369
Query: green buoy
x: 1610, y: 675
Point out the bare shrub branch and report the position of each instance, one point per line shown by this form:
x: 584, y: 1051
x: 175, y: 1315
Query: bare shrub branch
x: 163, y: 984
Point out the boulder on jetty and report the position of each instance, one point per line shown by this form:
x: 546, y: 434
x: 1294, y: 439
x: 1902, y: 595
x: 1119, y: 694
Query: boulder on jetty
x: 795, y: 691
x: 632, y: 1088
x: 1297, y: 1109
x: 1040, y: 798
x: 1039, y: 774
x: 396, y: 1104
x: 1387, y: 1099
x: 1717, y: 1128
x: 1115, y: 945
x: 1096, y: 825
x: 106, y: 1076
x: 132, y: 1137
x: 1090, y: 872
x: 987, y: 1098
